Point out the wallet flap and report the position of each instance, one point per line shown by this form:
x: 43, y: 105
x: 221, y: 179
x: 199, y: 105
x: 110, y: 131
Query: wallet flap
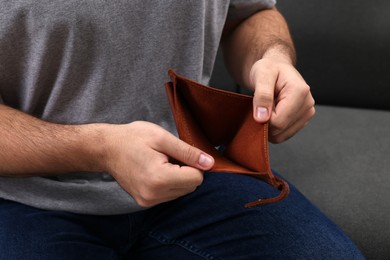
x: 250, y: 146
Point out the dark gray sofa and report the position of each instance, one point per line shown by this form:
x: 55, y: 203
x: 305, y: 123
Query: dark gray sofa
x: 341, y: 160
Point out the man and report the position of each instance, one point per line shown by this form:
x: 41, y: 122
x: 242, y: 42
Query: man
x: 86, y: 133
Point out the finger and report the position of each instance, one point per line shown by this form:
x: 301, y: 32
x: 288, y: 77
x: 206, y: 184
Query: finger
x: 293, y: 129
x: 290, y: 107
x: 185, y: 153
x: 263, y: 80
x: 172, y: 181
x: 182, y: 176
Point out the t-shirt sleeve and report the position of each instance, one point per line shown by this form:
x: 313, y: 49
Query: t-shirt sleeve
x: 240, y: 9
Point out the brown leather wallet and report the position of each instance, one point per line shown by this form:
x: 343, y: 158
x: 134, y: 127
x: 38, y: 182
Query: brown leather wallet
x: 208, y: 118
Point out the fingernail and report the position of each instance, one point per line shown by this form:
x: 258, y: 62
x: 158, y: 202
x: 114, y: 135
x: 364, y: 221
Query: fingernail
x: 205, y: 161
x: 262, y: 113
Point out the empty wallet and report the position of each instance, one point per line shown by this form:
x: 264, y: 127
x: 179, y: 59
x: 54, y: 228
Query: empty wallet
x: 221, y: 124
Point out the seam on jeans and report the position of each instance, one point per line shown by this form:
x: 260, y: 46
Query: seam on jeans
x: 183, y: 244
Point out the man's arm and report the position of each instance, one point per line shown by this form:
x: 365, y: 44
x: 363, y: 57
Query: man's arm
x: 245, y: 42
x: 259, y: 54
x: 137, y: 154
x: 30, y: 146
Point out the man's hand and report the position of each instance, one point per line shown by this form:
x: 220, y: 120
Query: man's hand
x: 281, y: 97
x: 138, y: 157
x: 259, y: 54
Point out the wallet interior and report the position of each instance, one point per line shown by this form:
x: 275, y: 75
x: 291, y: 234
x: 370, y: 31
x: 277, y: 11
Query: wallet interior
x: 210, y: 118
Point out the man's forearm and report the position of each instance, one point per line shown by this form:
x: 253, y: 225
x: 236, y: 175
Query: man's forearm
x: 263, y: 34
x: 29, y: 146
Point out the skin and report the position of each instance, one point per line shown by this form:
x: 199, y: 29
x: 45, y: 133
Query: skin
x: 259, y: 54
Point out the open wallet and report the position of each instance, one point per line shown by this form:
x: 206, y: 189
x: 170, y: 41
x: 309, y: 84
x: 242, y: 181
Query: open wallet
x: 209, y: 118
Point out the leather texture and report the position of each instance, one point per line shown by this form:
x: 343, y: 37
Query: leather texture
x: 209, y: 118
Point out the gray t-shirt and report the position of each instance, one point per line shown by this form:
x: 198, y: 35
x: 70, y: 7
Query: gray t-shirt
x: 77, y: 62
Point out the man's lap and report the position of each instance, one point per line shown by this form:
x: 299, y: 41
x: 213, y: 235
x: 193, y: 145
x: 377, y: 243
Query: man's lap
x: 210, y: 223
x: 213, y: 222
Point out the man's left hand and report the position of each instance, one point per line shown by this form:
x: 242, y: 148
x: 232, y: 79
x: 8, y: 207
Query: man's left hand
x: 281, y: 97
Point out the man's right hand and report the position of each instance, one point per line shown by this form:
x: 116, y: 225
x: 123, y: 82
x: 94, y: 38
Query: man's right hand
x: 138, y: 157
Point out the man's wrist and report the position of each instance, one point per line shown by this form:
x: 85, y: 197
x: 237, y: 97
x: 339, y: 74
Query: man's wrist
x: 280, y: 51
x: 93, y: 143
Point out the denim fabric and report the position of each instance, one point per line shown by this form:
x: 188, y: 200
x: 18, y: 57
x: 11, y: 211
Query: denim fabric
x: 210, y: 223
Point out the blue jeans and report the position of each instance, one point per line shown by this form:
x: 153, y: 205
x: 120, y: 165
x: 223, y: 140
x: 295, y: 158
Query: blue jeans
x: 210, y: 223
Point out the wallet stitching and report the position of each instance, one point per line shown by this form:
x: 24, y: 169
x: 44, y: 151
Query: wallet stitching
x: 265, y: 148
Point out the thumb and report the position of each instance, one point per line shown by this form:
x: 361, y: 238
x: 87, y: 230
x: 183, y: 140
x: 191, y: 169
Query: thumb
x: 185, y: 153
x: 263, y: 82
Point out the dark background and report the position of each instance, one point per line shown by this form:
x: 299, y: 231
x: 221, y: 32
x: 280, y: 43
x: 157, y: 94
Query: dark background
x: 343, y: 49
